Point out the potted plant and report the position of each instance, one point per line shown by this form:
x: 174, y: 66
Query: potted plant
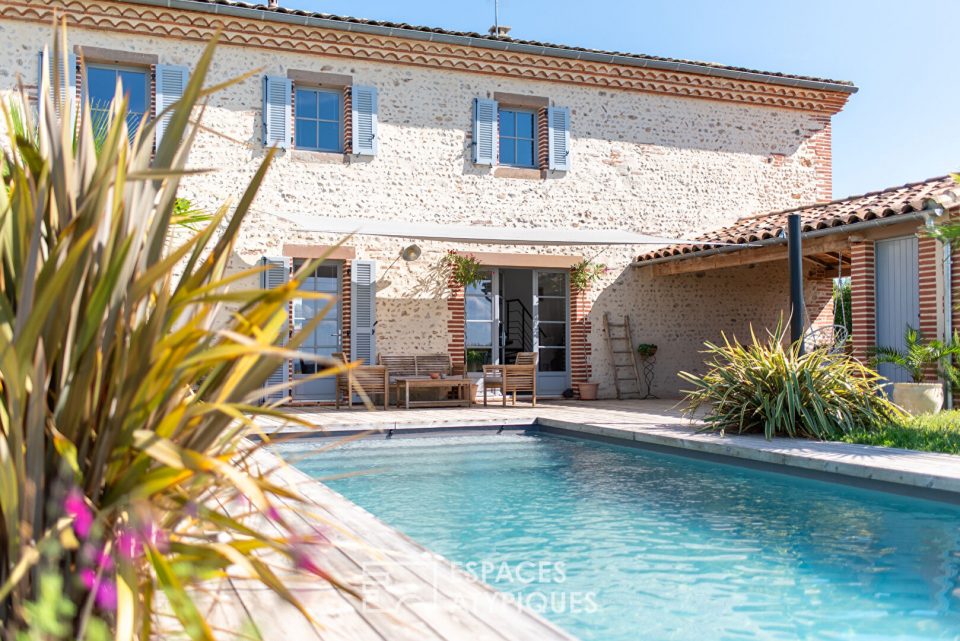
x: 465, y: 270
x: 584, y: 273
x: 646, y: 350
x: 920, y: 397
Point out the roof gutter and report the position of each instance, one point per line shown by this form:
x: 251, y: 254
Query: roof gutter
x: 926, y: 215
x: 499, y: 45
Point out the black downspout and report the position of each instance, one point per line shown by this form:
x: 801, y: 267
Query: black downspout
x: 795, y: 253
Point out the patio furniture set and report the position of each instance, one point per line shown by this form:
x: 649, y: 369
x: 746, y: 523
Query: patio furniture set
x: 404, y: 377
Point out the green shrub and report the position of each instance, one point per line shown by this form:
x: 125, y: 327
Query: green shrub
x: 920, y: 355
x: 928, y: 433
x: 123, y: 400
x: 770, y: 387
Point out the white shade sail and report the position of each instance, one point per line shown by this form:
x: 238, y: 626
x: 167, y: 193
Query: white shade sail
x: 476, y: 233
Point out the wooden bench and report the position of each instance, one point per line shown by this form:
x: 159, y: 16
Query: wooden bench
x: 405, y: 365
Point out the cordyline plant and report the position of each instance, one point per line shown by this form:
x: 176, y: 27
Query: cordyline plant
x: 124, y: 474
x: 771, y: 388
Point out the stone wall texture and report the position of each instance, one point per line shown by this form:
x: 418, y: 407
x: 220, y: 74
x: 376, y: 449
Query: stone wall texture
x: 671, y: 166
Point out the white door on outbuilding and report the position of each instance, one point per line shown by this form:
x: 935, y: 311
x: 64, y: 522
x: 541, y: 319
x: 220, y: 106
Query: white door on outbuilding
x: 898, y: 297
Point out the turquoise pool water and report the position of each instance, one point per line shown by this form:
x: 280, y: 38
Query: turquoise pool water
x: 620, y: 544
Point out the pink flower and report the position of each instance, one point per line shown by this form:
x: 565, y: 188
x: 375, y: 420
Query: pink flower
x: 103, y: 560
x: 88, y: 577
x: 273, y: 514
x: 76, y: 506
x: 106, y: 597
x: 128, y: 545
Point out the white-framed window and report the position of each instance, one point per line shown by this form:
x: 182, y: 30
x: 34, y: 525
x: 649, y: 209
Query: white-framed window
x: 318, y: 124
x: 100, y: 89
x: 518, y: 137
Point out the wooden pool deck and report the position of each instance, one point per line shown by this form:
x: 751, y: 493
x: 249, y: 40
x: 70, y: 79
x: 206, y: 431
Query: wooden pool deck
x: 412, y: 593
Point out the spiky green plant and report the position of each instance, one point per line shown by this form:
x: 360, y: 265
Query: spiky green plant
x: 770, y: 387
x: 919, y: 356
x: 123, y: 402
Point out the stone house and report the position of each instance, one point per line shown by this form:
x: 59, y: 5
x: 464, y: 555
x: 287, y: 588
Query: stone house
x: 530, y: 156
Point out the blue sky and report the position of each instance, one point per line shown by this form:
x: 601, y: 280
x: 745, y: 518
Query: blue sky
x: 901, y: 126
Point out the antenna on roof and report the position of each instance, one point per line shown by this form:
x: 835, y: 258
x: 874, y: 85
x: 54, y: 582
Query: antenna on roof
x: 498, y: 30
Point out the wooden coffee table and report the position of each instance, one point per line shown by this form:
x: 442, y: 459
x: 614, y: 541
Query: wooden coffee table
x: 459, y: 383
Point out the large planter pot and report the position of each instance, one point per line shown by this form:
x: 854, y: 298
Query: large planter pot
x: 588, y: 391
x: 918, y: 398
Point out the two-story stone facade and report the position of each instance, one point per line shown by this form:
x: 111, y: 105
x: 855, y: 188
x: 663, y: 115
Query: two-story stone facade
x: 385, y: 122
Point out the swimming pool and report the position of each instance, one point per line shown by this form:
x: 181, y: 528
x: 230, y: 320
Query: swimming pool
x: 618, y: 543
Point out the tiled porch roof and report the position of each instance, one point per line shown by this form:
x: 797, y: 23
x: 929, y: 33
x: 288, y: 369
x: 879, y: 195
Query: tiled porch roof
x: 894, y: 201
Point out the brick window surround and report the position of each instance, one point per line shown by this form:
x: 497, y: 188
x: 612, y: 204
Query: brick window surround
x: 863, y: 298
x: 929, y: 298
x: 580, y: 348
x: 323, y: 80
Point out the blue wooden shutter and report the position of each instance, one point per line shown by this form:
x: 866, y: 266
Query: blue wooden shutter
x: 363, y: 101
x: 276, y: 275
x: 485, y: 138
x: 363, y: 311
x: 558, y: 154
x: 171, y: 80
x: 277, y: 96
x: 65, y: 78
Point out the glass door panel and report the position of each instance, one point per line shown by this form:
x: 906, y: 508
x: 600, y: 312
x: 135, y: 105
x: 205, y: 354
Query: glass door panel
x: 482, y: 321
x: 326, y: 338
x: 551, y: 331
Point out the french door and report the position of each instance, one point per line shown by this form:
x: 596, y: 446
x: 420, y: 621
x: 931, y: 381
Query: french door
x: 551, y: 331
x: 520, y: 307
x: 326, y: 338
x: 482, y: 335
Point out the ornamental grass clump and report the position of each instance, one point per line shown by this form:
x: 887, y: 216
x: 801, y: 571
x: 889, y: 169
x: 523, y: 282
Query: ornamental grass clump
x: 769, y: 387
x: 125, y: 481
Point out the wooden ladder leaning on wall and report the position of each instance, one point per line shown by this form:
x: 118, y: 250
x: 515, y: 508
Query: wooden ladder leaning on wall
x: 623, y: 355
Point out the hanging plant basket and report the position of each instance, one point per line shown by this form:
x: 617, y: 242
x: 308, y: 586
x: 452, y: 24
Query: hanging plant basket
x: 646, y: 350
x: 464, y: 269
x: 585, y: 273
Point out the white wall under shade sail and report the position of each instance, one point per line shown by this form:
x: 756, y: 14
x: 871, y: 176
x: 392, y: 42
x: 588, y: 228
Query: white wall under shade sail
x: 476, y: 233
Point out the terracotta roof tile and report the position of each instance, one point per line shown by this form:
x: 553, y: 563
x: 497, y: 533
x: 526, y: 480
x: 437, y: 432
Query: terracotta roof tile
x: 894, y: 201
x: 507, y: 39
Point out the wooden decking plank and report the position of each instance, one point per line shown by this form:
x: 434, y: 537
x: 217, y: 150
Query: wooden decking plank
x: 403, y: 590
x: 449, y: 581
x: 277, y: 619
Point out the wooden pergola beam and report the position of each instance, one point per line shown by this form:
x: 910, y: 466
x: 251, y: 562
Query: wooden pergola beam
x: 749, y: 256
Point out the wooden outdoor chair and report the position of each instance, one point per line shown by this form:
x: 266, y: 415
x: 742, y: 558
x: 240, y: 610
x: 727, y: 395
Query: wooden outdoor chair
x: 372, y: 379
x: 510, y: 379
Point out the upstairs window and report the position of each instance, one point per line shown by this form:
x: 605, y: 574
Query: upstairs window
x: 102, y: 86
x: 518, y: 137
x: 319, y: 120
